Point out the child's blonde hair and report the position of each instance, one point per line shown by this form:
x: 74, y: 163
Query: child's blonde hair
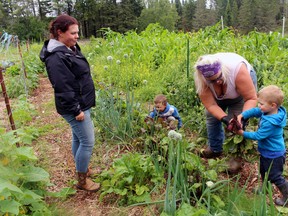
x: 272, y: 94
x: 160, y: 99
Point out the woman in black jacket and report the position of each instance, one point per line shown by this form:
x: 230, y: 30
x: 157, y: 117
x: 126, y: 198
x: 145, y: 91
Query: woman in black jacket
x: 70, y: 76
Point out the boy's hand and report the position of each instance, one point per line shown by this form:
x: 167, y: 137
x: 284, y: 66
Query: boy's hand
x: 243, y: 122
x: 239, y: 132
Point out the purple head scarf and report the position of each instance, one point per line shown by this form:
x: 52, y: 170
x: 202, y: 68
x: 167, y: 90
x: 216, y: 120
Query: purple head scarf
x: 209, y: 70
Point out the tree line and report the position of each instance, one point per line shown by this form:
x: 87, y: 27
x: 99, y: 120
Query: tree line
x: 29, y: 19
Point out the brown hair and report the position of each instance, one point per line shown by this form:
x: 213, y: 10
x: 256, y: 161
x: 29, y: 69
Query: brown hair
x: 61, y: 23
x: 160, y: 99
x: 272, y: 94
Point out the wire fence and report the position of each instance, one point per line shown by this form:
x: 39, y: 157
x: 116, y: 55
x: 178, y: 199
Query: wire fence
x: 6, y: 40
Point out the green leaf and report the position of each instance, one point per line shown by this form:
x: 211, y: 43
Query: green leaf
x: 120, y: 192
x: 10, y: 206
x: 237, y: 139
x: 141, y: 189
x: 26, y: 153
x: 129, y: 179
x: 186, y: 209
x: 218, y: 200
x: 145, y: 197
x: 6, y: 184
x: 31, y: 194
x: 197, y: 185
x: 34, y: 174
x: 211, y: 174
x: 283, y: 210
x: 64, y: 193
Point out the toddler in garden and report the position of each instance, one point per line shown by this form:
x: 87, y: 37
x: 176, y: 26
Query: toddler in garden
x: 269, y: 135
x: 165, y: 113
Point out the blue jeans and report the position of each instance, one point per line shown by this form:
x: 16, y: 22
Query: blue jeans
x: 83, y: 139
x: 215, y: 130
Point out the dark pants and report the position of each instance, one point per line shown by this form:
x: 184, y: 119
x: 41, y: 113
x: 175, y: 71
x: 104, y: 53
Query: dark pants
x: 276, y: 170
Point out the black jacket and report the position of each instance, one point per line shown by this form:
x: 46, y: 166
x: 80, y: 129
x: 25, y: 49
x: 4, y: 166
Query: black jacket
x: 70, y: 76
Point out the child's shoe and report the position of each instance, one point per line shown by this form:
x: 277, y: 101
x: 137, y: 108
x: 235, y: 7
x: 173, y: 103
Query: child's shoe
x: 284, y: 191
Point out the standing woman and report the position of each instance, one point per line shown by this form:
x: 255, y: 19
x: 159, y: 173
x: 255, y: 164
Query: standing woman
x: 74, y: 91
x: 225, y: 82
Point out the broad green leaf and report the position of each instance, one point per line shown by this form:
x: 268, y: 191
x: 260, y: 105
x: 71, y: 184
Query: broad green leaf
x: 7, y: 185
x: 34, y: 174
x: 186, y: 210
x: 31, y: 194
x: 26, y: 153
x: 10, y: 206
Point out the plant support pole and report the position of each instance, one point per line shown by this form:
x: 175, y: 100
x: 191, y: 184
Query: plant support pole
x: 6, y: 100
x: 283, y: 27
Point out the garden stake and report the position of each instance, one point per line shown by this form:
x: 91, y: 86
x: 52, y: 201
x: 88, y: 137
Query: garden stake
x: 20, y: 53
x: 27, y: 45
x: 187, y: 69
x: 7, y: 102
x: 23, y: 67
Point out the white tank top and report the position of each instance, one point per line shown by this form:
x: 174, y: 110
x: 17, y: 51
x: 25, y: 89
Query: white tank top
x: 233, y: 62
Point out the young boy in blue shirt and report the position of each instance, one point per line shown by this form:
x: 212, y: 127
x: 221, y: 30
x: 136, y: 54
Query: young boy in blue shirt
x: 165, y: 112
x: 269, y: 135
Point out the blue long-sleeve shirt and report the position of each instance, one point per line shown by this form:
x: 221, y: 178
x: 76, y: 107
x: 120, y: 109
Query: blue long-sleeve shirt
x: 270, y: 131
x: 170, y: 110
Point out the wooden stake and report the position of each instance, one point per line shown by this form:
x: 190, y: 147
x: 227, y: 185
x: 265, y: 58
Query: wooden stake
x: 7, y: 101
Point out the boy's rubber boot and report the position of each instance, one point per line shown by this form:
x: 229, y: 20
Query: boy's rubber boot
x: 85, y: 183
x: 284, y: 191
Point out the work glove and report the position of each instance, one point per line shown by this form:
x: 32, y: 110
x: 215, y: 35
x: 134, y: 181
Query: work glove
x: 225, y: 120
x: 234, y: 125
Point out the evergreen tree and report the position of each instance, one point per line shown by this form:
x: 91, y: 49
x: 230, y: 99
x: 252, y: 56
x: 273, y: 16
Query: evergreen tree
x: 246, y: 16
x: 180, y: 14
x: 161, y: 12
x: 189, y: 8
x: 266, y: 15
x: 129, y: 11
x: 234, y: 13
x: 204, y: 16
x: 227, y: 16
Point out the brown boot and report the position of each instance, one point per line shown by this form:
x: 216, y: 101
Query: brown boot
x: 208, y: 153
x: 87, y: 184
